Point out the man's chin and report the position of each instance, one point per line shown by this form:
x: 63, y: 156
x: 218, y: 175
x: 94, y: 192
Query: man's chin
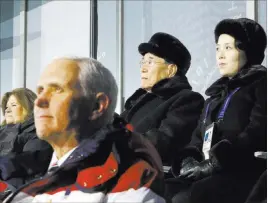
x: 42, y: 135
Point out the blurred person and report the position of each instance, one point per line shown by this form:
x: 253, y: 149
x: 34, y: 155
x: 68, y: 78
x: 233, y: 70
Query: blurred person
x: 18, y: 136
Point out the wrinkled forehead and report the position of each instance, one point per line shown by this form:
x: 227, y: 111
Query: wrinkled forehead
x: 60, y: 71
x: 151, y: 56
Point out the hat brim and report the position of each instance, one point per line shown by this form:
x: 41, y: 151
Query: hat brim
x: 149, y: 48
x: 230, y: 27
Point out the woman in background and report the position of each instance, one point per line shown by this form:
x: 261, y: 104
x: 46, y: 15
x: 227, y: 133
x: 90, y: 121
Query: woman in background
x: 219, y: 164
x: 18, y: 138
x: 18, y: 130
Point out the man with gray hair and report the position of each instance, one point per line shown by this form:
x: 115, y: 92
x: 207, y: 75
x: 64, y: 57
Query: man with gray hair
x: 95, y: 158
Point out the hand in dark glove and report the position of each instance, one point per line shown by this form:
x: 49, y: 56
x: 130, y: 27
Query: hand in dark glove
x: 187, y: 164
x: 199, y: 171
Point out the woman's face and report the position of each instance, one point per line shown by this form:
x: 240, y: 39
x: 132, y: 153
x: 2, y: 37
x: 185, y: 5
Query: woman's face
x: 229, y: 58
x: 14, y: 112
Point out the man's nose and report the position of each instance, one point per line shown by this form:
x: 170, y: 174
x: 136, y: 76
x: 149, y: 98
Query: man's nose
x: 143, y: 69
x: 42, y: 100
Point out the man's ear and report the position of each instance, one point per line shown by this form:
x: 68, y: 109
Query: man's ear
x: 102, y: 104
x: 172, y: 70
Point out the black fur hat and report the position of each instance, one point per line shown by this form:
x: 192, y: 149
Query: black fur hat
x: 169, y: 48
x: 249, y: 33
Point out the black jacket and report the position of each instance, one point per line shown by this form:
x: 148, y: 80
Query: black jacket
x: 242, y: 132
x: 259, y: 192
x: 166, y: 116
x: 13, y: 138
x: 16, y: 142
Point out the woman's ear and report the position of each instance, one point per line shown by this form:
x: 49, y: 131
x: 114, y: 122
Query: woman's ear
x: 102, y: 104
x: 172, y: 70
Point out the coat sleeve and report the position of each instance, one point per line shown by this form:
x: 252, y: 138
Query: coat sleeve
x: 176, y: 128
x: 197, y: 136
x: 33, y: 158
x: 193, y: 149
x: 236, y: 151
x: 254, y: 136
x: 30, y: 162
x: 28, y: 141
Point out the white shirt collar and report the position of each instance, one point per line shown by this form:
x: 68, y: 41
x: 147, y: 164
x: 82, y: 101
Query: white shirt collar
x: 59, y: 162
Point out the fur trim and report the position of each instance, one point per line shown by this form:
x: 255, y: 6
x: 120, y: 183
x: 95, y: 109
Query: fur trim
x: 249, y: 33
x: 169, y: 48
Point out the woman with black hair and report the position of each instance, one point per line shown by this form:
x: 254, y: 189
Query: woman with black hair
x: 219, y: 163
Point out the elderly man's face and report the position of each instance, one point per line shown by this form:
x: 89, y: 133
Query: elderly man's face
x: 55, y: 91
x: 153, y: 69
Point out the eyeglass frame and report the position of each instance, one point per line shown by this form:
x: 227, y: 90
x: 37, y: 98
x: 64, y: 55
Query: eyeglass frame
x: 154, y: 62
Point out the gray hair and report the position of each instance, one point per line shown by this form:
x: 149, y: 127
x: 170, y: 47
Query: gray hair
x: 95, y: 78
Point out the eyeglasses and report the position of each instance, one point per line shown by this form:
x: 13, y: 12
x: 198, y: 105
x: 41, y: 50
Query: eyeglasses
x: 150, y: 62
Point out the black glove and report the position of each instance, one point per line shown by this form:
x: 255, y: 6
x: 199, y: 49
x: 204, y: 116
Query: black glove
x: 187, y: 164
x: 199, y: 171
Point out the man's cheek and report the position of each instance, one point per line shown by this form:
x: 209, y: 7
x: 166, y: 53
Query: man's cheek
x: 63, y: 116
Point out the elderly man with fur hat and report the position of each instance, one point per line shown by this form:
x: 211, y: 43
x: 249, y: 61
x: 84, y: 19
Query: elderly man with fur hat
x: 219, y: 163
x: 165, y: 109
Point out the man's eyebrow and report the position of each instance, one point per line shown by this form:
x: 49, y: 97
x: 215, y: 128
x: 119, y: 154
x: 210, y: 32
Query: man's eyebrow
x: 52, y: 84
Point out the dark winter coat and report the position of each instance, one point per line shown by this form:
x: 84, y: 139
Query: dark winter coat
x: 242, y: 132
x: 114, y: 161
x: 259, y: 192
x: 17, y: 138
x: 16, y: 141
x: 166, y: 116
